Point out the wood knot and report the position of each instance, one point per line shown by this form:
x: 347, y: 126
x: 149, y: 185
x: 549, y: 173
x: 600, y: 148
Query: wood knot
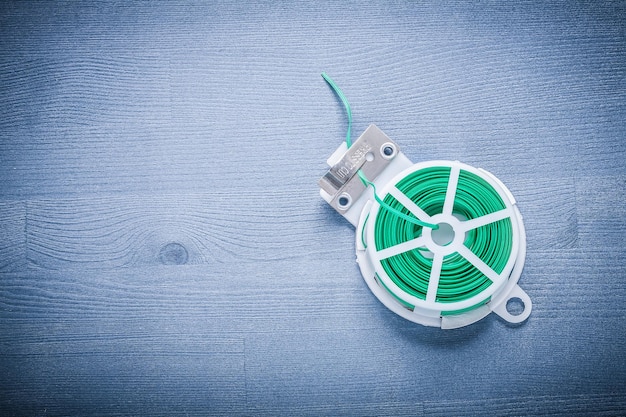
x: 173, y: 254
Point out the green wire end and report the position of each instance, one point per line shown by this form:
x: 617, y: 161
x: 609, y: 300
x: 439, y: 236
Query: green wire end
x: 362, y: 176
x: 346, y: 104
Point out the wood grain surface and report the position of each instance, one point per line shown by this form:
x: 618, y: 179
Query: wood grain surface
x: 164, y: 249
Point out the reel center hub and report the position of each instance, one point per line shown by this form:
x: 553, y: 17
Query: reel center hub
x: 444, y: 235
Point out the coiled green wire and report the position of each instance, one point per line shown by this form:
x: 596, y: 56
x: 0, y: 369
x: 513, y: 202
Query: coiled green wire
x: 459, y: 279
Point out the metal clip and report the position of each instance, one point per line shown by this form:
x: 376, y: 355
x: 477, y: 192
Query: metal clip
x: 370, y: 153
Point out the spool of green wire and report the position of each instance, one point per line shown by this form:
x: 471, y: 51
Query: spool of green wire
x: 455, y: 268
x: 442, y: 244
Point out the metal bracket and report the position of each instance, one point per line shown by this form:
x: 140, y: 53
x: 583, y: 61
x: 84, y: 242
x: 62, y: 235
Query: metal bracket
x: 370, y: 153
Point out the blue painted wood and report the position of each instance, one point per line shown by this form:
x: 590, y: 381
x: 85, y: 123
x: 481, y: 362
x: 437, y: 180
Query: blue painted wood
x: 164, y: 250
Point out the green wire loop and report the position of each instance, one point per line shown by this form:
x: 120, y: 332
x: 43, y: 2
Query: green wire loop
x: 360, y: 173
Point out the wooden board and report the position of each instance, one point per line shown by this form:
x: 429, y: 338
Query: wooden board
x: 164, y: 249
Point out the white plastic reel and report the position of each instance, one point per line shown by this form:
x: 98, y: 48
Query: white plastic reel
x: 363, y: 213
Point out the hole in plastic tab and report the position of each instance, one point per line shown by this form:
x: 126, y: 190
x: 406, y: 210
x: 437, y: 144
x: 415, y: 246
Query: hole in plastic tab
x: 515, y: 306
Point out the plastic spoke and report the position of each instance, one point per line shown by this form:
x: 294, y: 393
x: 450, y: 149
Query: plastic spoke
x: 480, y: 265
x: 401, y: 248
x: 435, y: 274
x: 451, y: 190
x: 486, y: 219
x: 410, y: 205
